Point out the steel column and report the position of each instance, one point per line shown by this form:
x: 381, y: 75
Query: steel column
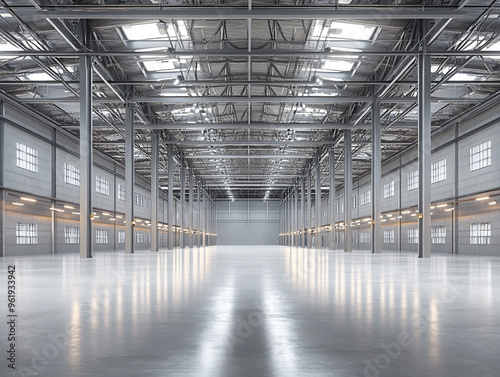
x: 53, y: 185
x: 154, y: 190
x: 204, y: 219
x: 309, y: 208
x: 331, y: 155
x: 302, y: 212
x: 2, y: 183
x: 170, y: 198
x: 198, y: 199
x: 129, y: 179
x: 424, y: 146
x: 318, y: 201
x: 183, y: 200
x: 190, y: 209
x: 347, y: 192
x: 86, y: 150
x: 376, y: 178
x: 296, y: 236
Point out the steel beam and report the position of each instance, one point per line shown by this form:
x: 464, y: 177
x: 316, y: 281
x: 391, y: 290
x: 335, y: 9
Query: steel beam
x: 309, y: 207
x: 253, y: 126
x: 250, y: 157
x: 170, y: 198
x: 317, y: 100
x: 183, y: 202
x: 318, y: 200
x: 331, y: 155
x: 155, y: 192
x: 257, y: 13
x: 376, y: 178
x: 347, y: 192
x: 219, y: 82
x: 86, y: 150
x: 264, y: 53
x: 129, y: 179
x: 424, y: 146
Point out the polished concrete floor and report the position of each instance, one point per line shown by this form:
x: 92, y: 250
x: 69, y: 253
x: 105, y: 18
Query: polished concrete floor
x: 254, y: 311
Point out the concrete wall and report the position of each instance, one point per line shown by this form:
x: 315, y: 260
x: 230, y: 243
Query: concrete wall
x: 47, y: 185
x: 458, y: 190
x: 247, y: 222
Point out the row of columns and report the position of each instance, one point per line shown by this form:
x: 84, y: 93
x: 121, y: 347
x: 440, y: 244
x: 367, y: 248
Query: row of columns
x: 303, y: 227
x: 205, y: 215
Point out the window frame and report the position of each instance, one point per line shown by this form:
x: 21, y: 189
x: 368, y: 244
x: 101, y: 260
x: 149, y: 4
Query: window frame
x: 26, y: 157
x: 71, y: 174
x: 28, y: 235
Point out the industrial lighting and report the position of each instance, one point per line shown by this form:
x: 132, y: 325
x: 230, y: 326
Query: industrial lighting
x: 449, y: 209
x: 492, y: 203
x: 76, y: 213
x: 413, y: 214
x: 442, y: 205
x: 106, y: 214
x: 405, y: 212
x: 26, y: 199
x: 483, y: 198
x: 19, y: 204
x: 56, y: 209
x: 68, y: 207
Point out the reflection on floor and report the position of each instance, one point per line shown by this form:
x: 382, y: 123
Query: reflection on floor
x: 254, y: 311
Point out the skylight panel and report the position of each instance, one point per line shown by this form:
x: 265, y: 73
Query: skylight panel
x: 155, y: 31
x: 5, y: 46
x: 351, y: 31
x: 39, y: 76
x: 158, y: 65
x: 142, y: 31
x: 338, y: 65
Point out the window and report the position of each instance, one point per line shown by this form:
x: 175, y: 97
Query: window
x: 480, y: 156
x: 101, y: 236
x: 160, y: 206
x: 388, y: 236
x: 26, y: 234
x: 121, y: 236
x: 365, y: 237
x: 438, y: 171
x: 121, y: 191
x: 139, y: 200
x: 438, y: 234
x: 139, y: 237
x: 149, y: 203
x: 366, y: 197
x: 27, y: 158
x: 342, y: 206
x: 101, y: 185
x: 339, y: 237
x: 413, y: 235
x: 353, y: 202
x: 389, y: 189
x: 71, y: 174
x: 71, y: 235
x: 337, y: 207
x: 413, y: 180
x: 480, y: 233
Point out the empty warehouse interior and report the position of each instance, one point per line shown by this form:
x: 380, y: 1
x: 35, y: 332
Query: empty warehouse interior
x: 249, y: 188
